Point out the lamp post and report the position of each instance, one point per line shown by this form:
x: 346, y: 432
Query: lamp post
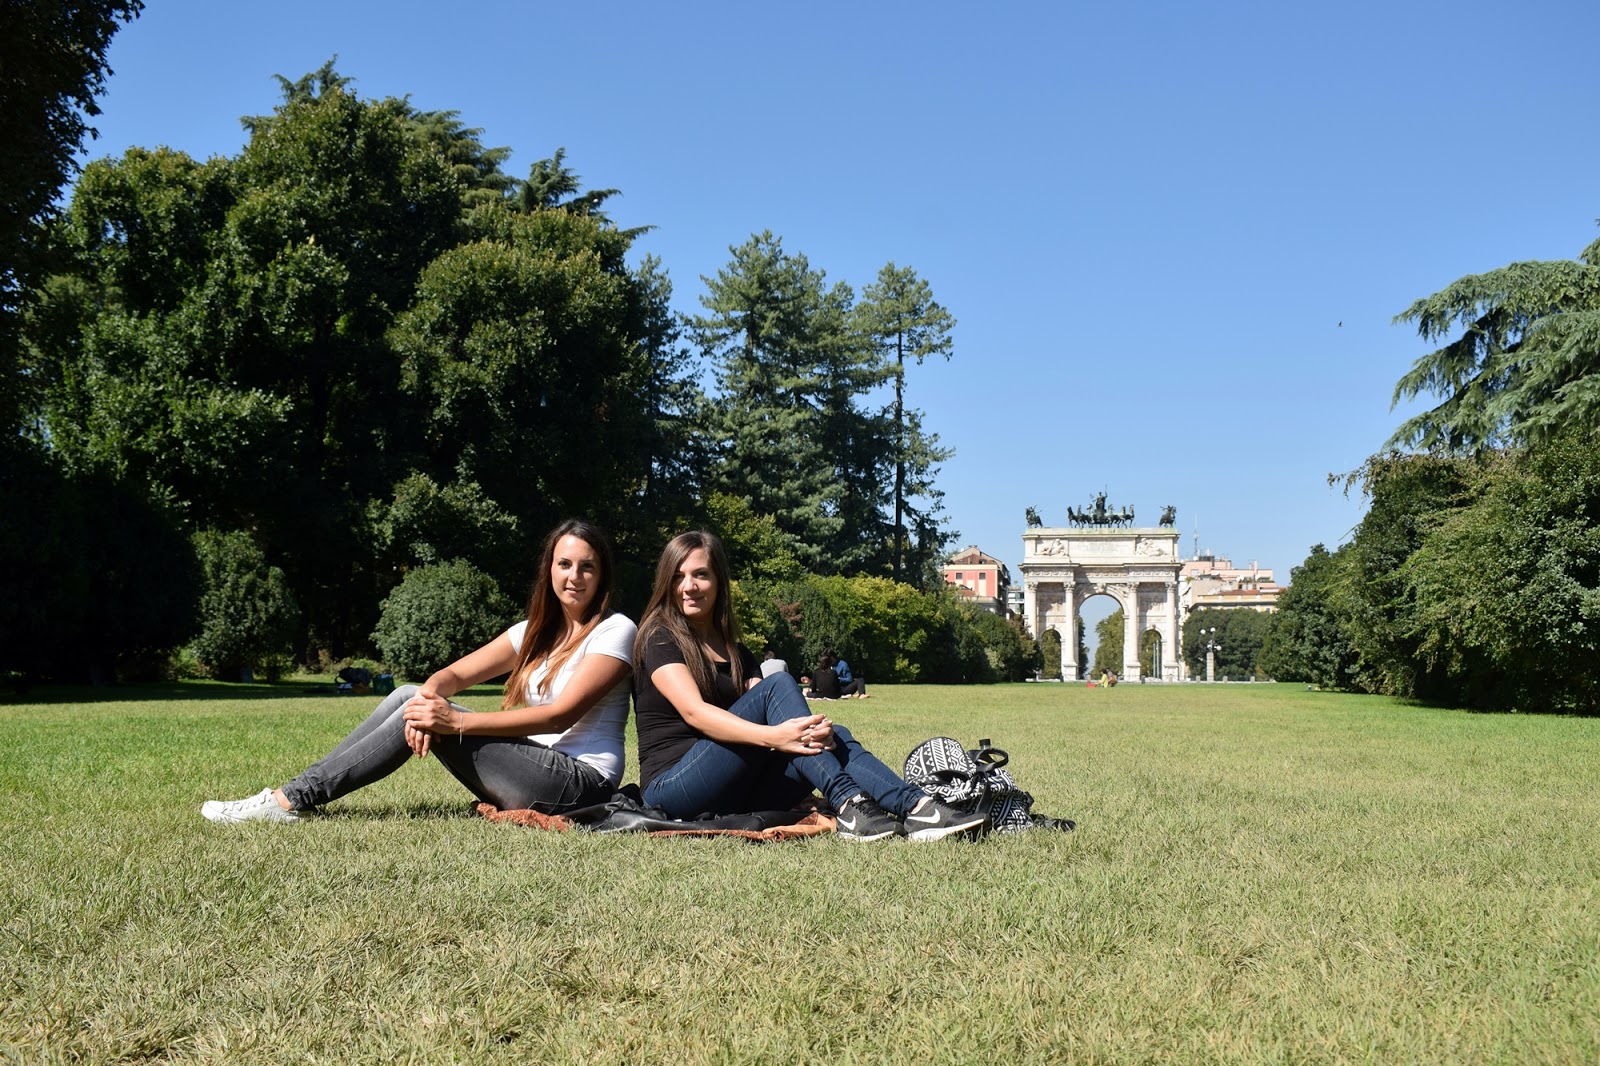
x: 1212, y: 647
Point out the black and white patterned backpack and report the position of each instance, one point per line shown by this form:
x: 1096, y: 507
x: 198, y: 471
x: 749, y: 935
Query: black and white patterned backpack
x: 976, y: 780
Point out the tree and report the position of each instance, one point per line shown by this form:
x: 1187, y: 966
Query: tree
x: 475, y: 167
x: 770, y: 318
x: 756, y: 547
x: 797, y: 434
x: 1050, y: 652
x: 344, y: 337
x: 1305, y: 638
x: 1409, y: 496
x: 553, y: 186
x: 438, y: 614
x: 1240, y: 633
x: 1108, y: 634
x: 1148, y: 641
x: 52, y: 66
x: 901, y: 318
x: 1507, y: 588
x: 425, y: 522
x: 1527, y: 362
x: 677, y: 452
x: 247, y: 615
x: 143, y: 583
x: 521, y: 354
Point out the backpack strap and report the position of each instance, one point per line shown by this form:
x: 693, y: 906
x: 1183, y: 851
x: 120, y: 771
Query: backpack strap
x: 988, y: 757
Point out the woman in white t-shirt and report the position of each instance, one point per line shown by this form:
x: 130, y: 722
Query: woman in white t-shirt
x: 555, y: 745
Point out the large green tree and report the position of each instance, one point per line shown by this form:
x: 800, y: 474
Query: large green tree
x: 902, y: 320
x: 1408, y: 496
x: 1305, y: 639
x: 773, y: 326
x: 522, y: 356
x: 1507, y: 588
x: 351, y: 342
x: 800, y: 433
x: 232, y: 340
x: 1526, y: 362
x: 52, y: 67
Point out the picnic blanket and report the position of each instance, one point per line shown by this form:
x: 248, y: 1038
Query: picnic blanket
x: 624, y: 813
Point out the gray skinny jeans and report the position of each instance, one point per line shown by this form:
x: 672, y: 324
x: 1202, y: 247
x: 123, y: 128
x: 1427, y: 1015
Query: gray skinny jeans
x: 510, y: 772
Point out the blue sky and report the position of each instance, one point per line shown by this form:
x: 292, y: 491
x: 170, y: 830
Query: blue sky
x: 1174, y: 234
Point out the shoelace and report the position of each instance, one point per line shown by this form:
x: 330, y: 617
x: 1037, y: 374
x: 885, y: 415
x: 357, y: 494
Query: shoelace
x: 867, y: 806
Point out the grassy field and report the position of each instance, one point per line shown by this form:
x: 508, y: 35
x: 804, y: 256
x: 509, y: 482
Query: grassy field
x: 1260, y: 874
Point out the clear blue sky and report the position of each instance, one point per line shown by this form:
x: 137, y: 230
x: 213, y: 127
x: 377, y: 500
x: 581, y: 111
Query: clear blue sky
x: 1150, y: 219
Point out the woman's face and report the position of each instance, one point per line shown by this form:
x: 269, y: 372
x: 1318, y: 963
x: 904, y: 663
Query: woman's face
x: 574, y: 574
x: 695, y: 588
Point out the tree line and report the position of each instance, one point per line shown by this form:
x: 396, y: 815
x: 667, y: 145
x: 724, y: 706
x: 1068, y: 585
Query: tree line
x: 1474, y: 578
x: 256, y: 396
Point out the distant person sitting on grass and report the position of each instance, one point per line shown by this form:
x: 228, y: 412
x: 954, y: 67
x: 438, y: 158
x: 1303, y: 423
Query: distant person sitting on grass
x: 848, y: 685
x: 824, y: 684
x: 771, y: 664
x: 557, y: 742
x: 715, y: 737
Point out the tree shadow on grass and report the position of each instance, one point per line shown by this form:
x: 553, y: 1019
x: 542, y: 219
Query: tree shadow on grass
x: 175, y: 691
x: 300, y: 688
x: 397, y: 812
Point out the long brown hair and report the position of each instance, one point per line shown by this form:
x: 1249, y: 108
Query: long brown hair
x: 664, y: 614
x: 544, y: 639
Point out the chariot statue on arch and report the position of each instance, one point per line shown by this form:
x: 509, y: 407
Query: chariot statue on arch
x: 1099, y: 515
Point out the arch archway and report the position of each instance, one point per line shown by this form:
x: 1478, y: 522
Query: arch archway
x: 1063, y: 567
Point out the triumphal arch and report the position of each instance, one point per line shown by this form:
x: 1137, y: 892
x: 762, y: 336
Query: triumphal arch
x: 1102, y: 552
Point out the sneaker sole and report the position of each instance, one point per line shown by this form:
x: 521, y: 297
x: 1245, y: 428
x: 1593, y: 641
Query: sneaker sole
x: 864, y: 838
x: 973, y: 827
x: 211, y: 812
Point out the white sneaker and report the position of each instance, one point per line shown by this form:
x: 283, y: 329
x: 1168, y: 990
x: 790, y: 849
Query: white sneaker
x: 262, y: 807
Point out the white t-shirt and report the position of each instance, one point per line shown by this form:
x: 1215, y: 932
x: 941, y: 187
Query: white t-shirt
x: 596, y: 738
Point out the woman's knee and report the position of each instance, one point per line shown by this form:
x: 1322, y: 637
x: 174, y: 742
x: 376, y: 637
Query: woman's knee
x: 783, y: 687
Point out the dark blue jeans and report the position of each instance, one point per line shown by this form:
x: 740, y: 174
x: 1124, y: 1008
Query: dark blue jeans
x: 513, y: 773
x: 717, y: 778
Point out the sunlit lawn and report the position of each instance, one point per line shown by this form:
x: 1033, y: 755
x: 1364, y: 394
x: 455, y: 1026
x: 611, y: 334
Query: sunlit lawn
x: 1260, y: 873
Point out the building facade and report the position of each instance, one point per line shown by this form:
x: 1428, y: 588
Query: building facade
x: 980, y: 579
x: 1213, y: 581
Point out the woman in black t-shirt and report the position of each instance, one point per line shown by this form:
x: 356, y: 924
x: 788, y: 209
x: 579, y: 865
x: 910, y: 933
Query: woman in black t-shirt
x: 714, y: 737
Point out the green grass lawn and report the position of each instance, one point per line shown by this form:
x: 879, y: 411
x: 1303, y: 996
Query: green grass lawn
x: 1260, y: 874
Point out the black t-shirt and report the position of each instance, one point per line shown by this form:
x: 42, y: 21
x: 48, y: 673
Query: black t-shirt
x: 663, y: 734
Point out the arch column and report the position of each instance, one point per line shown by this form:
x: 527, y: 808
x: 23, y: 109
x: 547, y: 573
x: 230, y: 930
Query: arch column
x: 1132, y: 633
x: 1069, y: 639
x: 1173, y: 670
x: 1030, y: 610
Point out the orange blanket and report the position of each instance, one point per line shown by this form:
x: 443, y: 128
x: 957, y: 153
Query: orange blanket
x: 810, y: 825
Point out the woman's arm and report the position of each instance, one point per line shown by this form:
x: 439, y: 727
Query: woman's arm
x: 805, y: 735
x: 429, y: 710
x: 596, y: 675
x: 493, y: 659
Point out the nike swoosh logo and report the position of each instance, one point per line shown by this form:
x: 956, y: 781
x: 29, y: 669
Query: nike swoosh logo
x: 848, y: 824
x: 929, y: 818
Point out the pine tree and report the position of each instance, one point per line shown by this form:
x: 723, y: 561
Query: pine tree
x: 901, y: 319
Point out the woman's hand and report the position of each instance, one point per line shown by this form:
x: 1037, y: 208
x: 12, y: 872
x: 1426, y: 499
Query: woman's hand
x: 418, y: 741
x: 428, y: 713
x: 806, y: 735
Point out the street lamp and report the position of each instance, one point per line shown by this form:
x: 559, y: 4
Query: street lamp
x: 1212, y: 647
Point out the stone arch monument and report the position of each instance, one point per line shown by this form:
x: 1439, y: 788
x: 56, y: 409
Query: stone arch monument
x: 1103, y: 553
